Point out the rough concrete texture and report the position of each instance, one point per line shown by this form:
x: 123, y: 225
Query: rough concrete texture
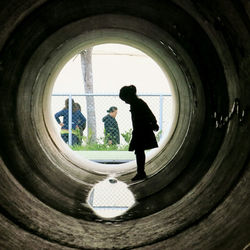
x: 199, y: 198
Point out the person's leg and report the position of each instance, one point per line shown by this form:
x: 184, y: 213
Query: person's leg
x: 140, y: 160
x: 80, y: 137
x: 75, y: 140
x: 79, y: 141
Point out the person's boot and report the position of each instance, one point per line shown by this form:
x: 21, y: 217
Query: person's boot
x: 139, y: 176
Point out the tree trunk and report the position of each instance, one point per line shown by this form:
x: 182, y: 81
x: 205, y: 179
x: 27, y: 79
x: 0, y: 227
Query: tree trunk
x: 86, y: 65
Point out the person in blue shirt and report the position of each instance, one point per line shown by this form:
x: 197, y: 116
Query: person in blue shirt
x: 78, y: 120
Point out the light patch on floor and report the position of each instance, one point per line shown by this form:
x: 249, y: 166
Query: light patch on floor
x: 110, y: 198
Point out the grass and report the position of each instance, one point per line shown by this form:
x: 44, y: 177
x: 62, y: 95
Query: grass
x: 99, y: 147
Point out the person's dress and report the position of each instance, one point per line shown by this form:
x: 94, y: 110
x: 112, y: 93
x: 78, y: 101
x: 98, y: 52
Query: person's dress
x: 143, y: 121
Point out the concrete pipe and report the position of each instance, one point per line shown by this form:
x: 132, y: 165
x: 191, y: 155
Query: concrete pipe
x: 197, y: 194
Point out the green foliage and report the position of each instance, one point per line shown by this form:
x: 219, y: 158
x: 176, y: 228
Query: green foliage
x: 99, y: 145
x: 78, y: 133
x: 106, y: 136
x: 89, y: 139
x: 127, y: 135
x: 158, y: 135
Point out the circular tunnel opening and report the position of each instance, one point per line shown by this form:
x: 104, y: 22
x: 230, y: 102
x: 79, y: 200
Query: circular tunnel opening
x: 111, y: 67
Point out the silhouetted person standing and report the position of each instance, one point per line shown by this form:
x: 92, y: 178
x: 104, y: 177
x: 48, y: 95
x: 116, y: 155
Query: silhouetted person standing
x: 144, y: 123
x: 111, y: 129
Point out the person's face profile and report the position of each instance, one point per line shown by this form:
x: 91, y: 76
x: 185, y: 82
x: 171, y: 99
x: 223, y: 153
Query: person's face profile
x: 127, y: 99
x: 114, y: 113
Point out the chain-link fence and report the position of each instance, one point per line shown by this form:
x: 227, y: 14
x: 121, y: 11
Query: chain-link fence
x: 81, y: 120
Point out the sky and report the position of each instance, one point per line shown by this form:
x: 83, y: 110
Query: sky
x: 114, y: 66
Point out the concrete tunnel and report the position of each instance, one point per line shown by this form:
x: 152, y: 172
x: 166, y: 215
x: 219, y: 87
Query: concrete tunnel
x: 198, y: 193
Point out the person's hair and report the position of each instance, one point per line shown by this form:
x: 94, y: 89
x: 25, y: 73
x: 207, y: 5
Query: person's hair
x: 74, y: 107
x: 127, y: 92
x: 112, y: 109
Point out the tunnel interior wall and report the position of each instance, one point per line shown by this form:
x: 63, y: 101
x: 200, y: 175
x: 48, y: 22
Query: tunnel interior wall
x: 200, y: 200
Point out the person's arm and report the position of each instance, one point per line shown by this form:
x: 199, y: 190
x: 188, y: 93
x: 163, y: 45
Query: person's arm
x: 57, y: 115
x: 150, y: 117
